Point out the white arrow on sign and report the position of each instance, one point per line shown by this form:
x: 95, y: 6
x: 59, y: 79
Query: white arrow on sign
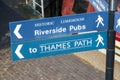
x: 16, y: 31
x: 18, y: 51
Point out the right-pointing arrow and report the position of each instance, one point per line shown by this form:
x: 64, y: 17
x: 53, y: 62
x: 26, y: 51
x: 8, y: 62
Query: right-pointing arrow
x: 18, y: 51
x: 16, y: 31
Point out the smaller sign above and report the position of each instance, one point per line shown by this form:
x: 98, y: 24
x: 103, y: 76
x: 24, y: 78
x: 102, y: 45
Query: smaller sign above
x: 117, y: 22
x: 56, y: 46
x: 99, y: 5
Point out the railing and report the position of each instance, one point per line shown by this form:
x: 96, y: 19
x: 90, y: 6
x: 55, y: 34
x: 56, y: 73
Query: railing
x: 34, y: 4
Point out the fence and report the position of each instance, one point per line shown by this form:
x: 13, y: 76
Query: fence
x: 34, y: 4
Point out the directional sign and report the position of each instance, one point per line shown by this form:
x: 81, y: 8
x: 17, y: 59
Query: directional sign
x: 16, y: 31
x: 117, y: 22
x: 55, y: 46
x: 99, y: 5
x: 57, y: 26
x: 17, y: 51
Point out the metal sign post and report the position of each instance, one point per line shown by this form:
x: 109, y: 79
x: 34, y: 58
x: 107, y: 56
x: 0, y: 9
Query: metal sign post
x: 111, y: 42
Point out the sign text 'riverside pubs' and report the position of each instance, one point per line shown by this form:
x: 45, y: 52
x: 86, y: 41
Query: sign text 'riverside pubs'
x: 56, y: 26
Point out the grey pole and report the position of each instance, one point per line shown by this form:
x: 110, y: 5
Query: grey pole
x: 26, y: 1
x: 111, y: 42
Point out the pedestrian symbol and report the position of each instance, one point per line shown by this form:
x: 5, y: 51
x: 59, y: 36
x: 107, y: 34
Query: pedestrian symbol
x: 118, y: 23
x: 99, y: 21
x: 99, y: 40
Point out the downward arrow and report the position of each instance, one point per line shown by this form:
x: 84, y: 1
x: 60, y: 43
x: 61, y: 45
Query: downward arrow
x: 18, y: 51
x: 16, y: 31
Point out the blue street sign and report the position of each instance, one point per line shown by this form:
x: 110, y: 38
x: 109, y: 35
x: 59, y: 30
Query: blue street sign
x: 56, y: 46
x: 99, y: 5
x: 57, y: 26
x: 117, y: 22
